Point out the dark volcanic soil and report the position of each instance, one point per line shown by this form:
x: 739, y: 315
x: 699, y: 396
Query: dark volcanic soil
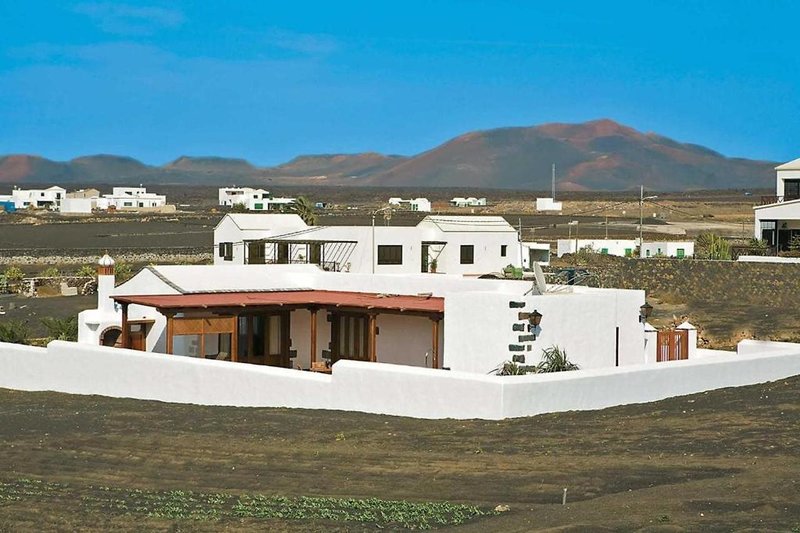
x: 719, y: 461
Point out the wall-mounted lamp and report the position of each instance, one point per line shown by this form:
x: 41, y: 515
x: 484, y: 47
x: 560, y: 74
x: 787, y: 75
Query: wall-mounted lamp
x: 644, y: 312
x: 534, y: 319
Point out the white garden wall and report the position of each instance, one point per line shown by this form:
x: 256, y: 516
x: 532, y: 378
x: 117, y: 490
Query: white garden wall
x: 381, y: 388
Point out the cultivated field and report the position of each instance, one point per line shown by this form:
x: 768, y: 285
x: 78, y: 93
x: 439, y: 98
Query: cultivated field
x: 719, y: 461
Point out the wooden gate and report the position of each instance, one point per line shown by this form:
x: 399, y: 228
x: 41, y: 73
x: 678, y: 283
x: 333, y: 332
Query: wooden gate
x: 673, y: 344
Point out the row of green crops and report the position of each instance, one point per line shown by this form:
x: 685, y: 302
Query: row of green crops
x: 177, y: 504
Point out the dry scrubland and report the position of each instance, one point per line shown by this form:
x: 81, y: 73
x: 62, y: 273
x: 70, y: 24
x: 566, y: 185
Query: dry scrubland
x: 719, y: 461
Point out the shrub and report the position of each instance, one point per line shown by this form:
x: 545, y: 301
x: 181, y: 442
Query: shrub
x: 14, y: 273
x: 62, y: 329
x: 50, y: 272
x: 554, y: 359
x: 712, y: 246
x: 122, y: 272
x: 86, y: 271
x: 14, y: 331
x: 510, y: 368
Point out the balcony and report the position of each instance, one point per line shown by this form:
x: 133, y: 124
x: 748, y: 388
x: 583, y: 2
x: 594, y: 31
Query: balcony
x: 767, y: 200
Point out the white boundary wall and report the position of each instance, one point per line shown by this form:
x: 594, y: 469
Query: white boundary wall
x: 381, y: 388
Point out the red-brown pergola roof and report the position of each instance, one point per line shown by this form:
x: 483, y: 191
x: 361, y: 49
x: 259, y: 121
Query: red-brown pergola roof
x: 362, y: 300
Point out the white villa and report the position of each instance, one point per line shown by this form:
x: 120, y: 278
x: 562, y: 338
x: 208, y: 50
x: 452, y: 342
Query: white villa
x: 464, y: 245
x: 298, y: 316
x: 627, y: 247
x: 777, y: 219
x: 468, y: 202
x: 414, y: 204
x: 252, y: 199
x: 120, y: 199
x: 49, y: 198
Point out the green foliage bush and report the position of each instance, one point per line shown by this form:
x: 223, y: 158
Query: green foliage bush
x: 14, y: 274
x: 61, y: 329
x: 14, y: 331
x: 50, y: 272
x: 712, y: 246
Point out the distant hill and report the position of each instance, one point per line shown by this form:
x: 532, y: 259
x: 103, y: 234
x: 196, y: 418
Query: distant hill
x: 595, y: 155
x: 338, y: 165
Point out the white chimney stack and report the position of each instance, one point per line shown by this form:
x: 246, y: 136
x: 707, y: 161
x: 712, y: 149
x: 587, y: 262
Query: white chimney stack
x: 105, y: 283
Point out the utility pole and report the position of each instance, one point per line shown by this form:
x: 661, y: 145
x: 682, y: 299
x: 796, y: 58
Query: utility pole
x: 553, y: 191
x: 642, y: 198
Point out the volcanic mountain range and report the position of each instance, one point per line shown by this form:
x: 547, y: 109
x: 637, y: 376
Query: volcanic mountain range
x: 596, y: 155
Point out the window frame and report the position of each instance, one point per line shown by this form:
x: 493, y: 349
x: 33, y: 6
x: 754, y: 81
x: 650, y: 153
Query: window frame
x: 467, y: 249
x: 503, y: 250
x: 394, y: 252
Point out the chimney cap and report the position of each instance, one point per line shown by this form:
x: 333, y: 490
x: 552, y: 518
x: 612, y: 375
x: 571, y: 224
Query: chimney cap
x: 106, y: 261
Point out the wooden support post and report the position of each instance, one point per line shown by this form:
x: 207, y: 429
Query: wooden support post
x: 313, y: 312
x: 170, y: 333
x: 435, y: 359
x: 373, y: 332
x: 126, y: 337
x: 235, y: 339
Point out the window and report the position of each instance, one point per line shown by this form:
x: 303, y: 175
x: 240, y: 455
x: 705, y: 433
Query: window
x: 791, y: 189
x: 258, y: 207
x: 503, y: 250
x: 628, y: 252
x: 255, y: 253
x: 226, y: 251
x: 467, y: 254
x: 681, y: 253
x: 390, y: 254
x: 350, y: 336
x: 604, y: 251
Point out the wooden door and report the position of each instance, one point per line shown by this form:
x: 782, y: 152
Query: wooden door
x: 672, y: 345
x: 138, y: 337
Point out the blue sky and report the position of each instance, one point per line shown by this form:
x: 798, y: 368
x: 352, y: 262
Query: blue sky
x: 268, y: 80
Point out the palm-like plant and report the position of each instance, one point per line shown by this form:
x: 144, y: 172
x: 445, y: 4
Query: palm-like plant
x: 14, y: 331
x: 303, y: 207
x: 554, y: 359
x: 712, y: 246
x: 62, y: 329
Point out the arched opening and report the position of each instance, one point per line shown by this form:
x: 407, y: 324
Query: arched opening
x: 111, y: 337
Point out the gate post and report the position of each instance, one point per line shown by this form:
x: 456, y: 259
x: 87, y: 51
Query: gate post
x: 692, y: 334
x: 650, y: 343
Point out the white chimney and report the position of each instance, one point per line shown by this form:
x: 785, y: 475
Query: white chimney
x: 105, y: 283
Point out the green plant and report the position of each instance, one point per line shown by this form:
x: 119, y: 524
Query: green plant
x: 303, y: 207
x: 554, y: 359
x: 794, y: 244
x: 122, y: 271
x: 86, y: 271
x: 510, y: 368
x: 14, y: 331
x: 239, y: 208
x: 14, y: 273
x: 712, y: 246
x: 61, y: 329
x: 50, y: 272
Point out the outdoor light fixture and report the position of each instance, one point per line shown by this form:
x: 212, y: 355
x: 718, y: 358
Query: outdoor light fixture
x: 644, y: 312
x: 536, y: 318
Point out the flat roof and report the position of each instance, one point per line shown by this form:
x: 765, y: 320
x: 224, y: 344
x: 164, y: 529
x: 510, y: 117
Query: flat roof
x: 363, y: 300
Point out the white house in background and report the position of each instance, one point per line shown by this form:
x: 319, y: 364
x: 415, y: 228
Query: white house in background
x: 252, y: 199
x: 298, y: 316
x: 627, y: 247
x: 131, y: 199
x: 468, y: 202
x: 414, y: 204
x: 535, y: 252
x: 777, y: 219
x: 547, y: 204
x: 676, y: 249
x: 620, y: 247
x: 464, y: 245
x: 49, y: 198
